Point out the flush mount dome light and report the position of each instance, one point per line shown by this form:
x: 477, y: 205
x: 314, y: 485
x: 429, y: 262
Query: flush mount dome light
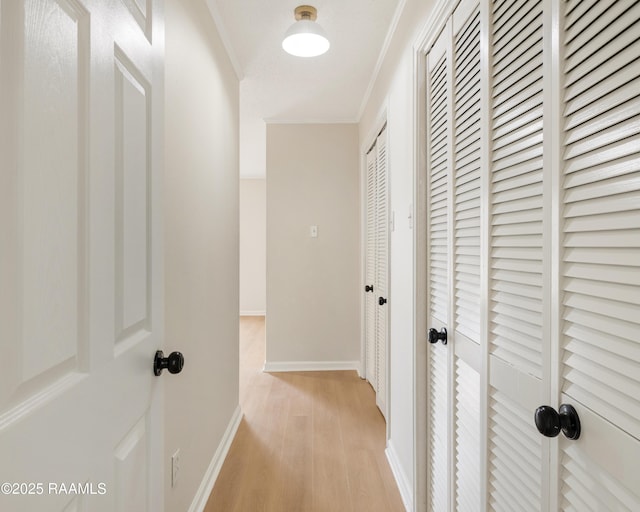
x: 305, y: 38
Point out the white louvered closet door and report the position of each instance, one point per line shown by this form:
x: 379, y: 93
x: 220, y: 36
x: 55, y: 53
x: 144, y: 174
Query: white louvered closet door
x: 438, y: 171
x: 600, y: 251
x: 518, y: 467
x: 370, y: 270
x: 454, y: 124
x: 382, y: 270
x: 544, y: 282
x: 377, y: 269
x: 465, y: 214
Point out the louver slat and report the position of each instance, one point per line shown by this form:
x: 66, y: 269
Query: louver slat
x: 465, y: 211
x: 438, y: 204
x: 516, y: 254
x: 601, y: 228
x: 438, y: 427
x: 516, y: 182
x: 370, y: 304
x: 466, y: 165
x: 514, y: 458
x: 438, y: 148
x: 382, y: 255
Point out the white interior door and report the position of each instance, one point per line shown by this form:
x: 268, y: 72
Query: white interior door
x: 568, y: 334
x: 454, y: 156
x: 558, y: 315
x: 381, y: 289
x: 377, y: 269
x: 370, y: 271
x: 438, y: 177
x: 519, y: 264
x: 81, y: 308
x: 466, y: 261
x: 599, y: 342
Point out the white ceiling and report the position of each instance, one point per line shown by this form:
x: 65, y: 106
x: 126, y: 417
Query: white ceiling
x: 277, y: 87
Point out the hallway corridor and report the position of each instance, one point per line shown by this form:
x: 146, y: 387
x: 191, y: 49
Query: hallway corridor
x: 308, y: 442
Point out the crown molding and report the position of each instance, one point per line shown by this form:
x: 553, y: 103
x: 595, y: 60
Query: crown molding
x: 381, y: 56
x: 214, y: 10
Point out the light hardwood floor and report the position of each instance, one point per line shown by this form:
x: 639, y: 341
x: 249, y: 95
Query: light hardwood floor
x: 308, y: 442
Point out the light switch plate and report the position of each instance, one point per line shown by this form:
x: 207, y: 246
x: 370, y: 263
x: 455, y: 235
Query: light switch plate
x: 314, y: 231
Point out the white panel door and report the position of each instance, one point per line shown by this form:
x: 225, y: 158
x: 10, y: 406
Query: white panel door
x: 80, y: 268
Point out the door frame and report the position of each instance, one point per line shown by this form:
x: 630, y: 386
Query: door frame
x: 158, y: 470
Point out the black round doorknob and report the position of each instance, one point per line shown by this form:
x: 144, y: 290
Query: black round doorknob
x: 550, y: 423
x: 174, y: 363
x: 368, y: 288
x: 547, y: 421
x: 382, y: 301
x: 569, y: 421
x: 434, y: 336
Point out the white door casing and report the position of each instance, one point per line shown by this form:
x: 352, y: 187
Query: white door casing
x: 81, y: 310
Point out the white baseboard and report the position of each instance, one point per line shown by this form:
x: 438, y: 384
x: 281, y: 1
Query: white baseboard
x: 253, y: 313
x: 309, y: 366
x: 209, y: 480
x: 406, y: 489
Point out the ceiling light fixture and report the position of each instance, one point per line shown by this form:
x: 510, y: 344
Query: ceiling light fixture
x: 305, y: 38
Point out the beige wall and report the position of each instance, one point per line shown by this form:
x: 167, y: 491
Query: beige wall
x: 313, y: 283
x: 253, y: 246
x: 201, y: 244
